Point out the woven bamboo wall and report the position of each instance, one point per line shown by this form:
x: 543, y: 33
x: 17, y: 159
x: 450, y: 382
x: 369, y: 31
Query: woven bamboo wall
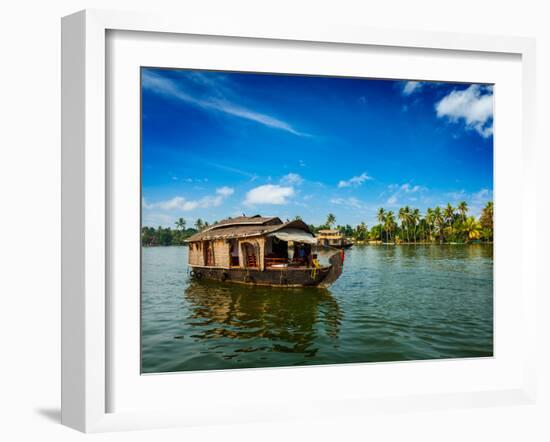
x: 221, y: 253
x: 222, y: 250
x: 196, y: 255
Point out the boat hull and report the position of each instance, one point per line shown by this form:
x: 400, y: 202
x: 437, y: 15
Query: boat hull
x: 284, y: 277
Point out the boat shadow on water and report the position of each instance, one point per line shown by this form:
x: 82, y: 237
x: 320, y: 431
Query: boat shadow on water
x: 262, y: 319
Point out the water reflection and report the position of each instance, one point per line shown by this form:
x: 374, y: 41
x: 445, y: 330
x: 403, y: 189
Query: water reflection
x: 262, y: 318
x: 391, y: 303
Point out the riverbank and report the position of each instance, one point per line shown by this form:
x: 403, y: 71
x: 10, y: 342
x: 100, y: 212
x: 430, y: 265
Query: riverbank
x: 418, y: 243
x: 371, y: 243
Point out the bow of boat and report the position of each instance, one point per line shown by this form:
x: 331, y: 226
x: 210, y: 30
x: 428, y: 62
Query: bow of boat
x: 336, y: 261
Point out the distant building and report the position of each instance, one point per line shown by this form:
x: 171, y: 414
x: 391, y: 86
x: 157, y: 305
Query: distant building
x: 332, y: 238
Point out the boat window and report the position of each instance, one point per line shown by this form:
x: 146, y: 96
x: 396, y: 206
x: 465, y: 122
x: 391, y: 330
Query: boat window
x: 208, y: 253
x: 234, y: 253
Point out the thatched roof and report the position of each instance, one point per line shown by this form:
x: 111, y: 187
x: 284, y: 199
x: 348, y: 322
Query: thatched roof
x: 244, y: 227
x: 246, y: 220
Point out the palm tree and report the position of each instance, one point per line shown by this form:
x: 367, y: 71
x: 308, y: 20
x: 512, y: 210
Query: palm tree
x: 199, y: 224
x: 361, y: 231
x: 439, y: 222
x: 471, y: 228
x: 180, y: 223
x: 422, y: 225
x: 382, y: 220
x: 430, y: 220
x: 408, y: 221
x: 403, y: 216
x: 390, y: 223
x: 463, y: 209
x: 486, y: 234
x: 449, y: 213
x: 415, y: 219
x: 449, y: 232
x: 331, y: 219
x: 486, y: 220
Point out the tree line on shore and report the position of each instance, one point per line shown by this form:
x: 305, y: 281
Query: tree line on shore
x: 407, y: 225
x: 166, y: 236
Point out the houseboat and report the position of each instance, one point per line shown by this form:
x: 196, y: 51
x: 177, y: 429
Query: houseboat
x: 332, y: 238
x: 260, y: 250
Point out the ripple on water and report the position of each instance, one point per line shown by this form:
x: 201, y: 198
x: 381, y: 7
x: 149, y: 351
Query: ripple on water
x: 391, y: 303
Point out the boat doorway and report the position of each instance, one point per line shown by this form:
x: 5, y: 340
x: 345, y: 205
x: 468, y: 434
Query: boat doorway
x: 250, y: 255
x: 276, y: 252
x: 234, y: 253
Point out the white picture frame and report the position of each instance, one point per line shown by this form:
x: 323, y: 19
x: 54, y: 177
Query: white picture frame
x: 86, y: 199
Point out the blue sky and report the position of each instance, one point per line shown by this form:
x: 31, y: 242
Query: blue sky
x: 219, y: 144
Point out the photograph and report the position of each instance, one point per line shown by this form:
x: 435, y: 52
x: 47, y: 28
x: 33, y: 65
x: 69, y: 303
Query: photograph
x: 303, y: 220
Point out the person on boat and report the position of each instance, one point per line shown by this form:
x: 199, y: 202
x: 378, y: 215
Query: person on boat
x: 308, y: 256
x: 312, y: 260
x: 302, y: 254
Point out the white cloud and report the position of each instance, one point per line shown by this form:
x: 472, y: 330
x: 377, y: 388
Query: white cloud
x: 355, y: 181
x: 269, y: 194
x: 473, y: 105
x: 191, y: 180
x: 475, y: 200
x: 145, y: 204
x: 407, y: 188
x: 411, y: 86
x: 180, y: 203
x: 400, y: 191
x: 153, y: 218
x: 292, y: 179
x: 482, y: 196
x: 350, y: 202
x: 171, y: 88
x: 235, y: 170
x: 457, y: 195
x: 225, y: 191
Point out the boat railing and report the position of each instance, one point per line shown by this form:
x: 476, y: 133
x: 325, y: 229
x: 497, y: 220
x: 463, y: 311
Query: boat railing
x: 286, y: 262
x: 274, y: 261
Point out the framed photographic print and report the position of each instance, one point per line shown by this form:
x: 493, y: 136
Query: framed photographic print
x: 253, y: 213
x: 226, y: 287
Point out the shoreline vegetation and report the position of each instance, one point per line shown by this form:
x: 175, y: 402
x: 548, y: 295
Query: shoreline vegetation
x: 447, y: 225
